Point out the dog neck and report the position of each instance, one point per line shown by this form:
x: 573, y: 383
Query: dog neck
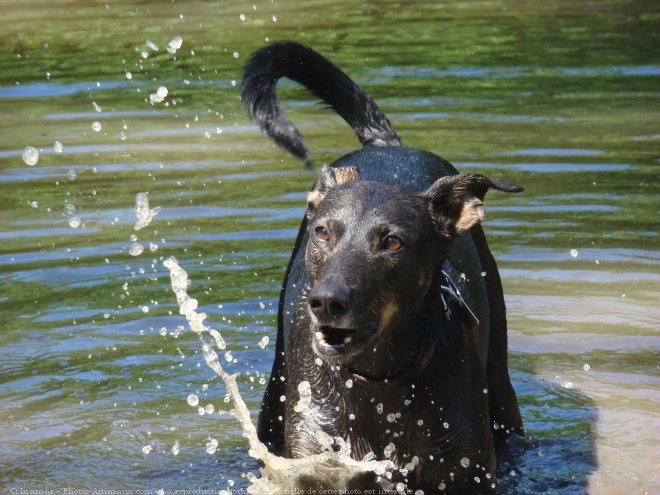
x: 417, y: 337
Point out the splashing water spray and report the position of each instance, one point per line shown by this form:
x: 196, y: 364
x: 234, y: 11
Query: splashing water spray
x: 143, y: 213
x: 329, y: 469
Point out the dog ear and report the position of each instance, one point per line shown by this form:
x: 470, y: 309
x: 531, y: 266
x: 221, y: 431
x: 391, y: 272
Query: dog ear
x: 456, y: 201
x: 328, y: 179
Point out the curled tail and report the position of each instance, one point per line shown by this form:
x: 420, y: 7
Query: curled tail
x: 321, y: 77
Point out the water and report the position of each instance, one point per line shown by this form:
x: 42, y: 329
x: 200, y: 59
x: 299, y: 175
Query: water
x: 561, y: 98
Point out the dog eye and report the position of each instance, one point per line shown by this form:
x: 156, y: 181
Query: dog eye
x: 392, y: 243
x: 322, y: 233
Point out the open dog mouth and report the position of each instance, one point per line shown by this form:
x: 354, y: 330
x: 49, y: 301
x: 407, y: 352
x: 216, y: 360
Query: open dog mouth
x: 335, y: 337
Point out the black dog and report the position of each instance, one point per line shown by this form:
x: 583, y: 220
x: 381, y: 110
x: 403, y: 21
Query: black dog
x: 391, y: 313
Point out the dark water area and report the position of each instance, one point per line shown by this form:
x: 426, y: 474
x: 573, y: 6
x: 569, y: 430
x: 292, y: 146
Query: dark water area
x: 95, y: 364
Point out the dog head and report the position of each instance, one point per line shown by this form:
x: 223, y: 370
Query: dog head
x: 373, y: 250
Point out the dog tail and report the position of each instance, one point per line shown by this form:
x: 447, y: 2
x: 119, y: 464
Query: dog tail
x: 311, y: 69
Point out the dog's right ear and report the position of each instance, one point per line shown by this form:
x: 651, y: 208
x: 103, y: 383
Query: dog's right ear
x: 328, y: 179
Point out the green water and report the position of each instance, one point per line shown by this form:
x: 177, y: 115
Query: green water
x: 561, y: 97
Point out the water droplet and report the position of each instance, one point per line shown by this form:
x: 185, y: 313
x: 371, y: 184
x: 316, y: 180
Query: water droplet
x: 318, y: 361
x: 574, y: 253
x: 586, y: 367
x: 74, y: 222
x: 174, y: 45
x: 242, y: 17
x: 163, y: 331
x: 379, y: 408
x: 58, y: 147
x: 34, y: 204
x: 209, y: 408
x: 351, y: 417
x: 264, y: 341
x: 129, y: 75
x: 30, y: 156
x: 136, y: 249
x: 445, y: 425
x: 235, y: 54
x: 192, y: 400
x: 391, y: 417
x: 349, y: 383
x: 97, y: 126
x: 157, y: 97
x: 465, y: 462
x: 147, y: 448
x: 212, y: 446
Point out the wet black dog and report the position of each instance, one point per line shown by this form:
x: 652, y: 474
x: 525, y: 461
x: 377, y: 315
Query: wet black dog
x: 391, y: 312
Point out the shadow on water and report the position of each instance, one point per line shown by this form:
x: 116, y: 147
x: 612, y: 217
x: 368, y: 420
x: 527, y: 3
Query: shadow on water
x: 559, y: 452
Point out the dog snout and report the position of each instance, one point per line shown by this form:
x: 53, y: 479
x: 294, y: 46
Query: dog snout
x: 329, y: 300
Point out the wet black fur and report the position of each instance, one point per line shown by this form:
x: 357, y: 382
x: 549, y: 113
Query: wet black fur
x: 325, y: 80
x: 430, y: 369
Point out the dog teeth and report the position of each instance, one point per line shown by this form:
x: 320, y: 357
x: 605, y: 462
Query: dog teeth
x: 347, y: 340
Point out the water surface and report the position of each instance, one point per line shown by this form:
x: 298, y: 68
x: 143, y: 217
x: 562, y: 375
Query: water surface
x: 560, y: 97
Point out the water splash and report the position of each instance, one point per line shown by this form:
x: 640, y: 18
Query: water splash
x: 142, y: 211
x: 331, y: 469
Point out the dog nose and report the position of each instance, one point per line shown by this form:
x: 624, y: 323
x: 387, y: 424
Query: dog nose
x: 329, y: 300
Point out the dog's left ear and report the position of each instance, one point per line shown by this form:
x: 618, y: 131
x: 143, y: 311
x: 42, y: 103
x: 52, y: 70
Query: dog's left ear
x: 328, y: 179
x: 456, y: 201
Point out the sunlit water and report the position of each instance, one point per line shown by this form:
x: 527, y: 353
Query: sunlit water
x: 96, y: 363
